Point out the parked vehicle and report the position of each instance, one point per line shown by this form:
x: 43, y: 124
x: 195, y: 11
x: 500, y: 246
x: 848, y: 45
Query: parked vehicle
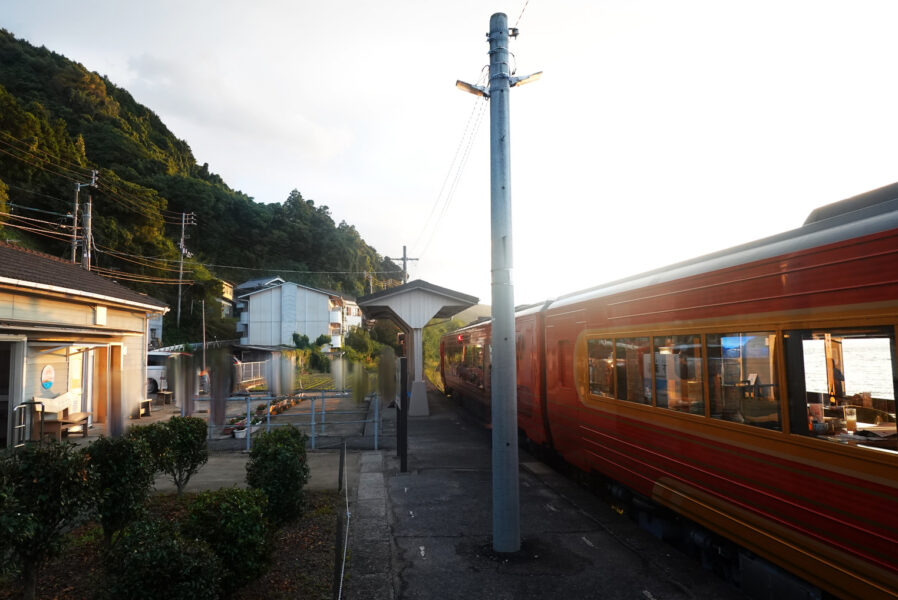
x: 157, y: 371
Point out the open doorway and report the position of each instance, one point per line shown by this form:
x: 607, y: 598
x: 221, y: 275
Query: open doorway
x: 5, y: 393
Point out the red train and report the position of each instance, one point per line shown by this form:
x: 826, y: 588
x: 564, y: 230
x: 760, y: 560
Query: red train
x: 751, y: 390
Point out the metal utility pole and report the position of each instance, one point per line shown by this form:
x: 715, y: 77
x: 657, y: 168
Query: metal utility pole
x: 186, y: 219
x: 86, y: 226
x: 78, y: 186
x: 404, y: 260
x: 506, y: 492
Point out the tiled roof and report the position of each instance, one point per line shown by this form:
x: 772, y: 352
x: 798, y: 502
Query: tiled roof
x: 44, y: 270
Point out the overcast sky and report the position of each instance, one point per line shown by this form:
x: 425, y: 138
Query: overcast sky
x: 659, y: 131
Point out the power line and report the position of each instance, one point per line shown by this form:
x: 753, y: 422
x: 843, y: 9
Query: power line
x: 33, y: 193
x: 516, y: 23
x: 39, y: 231
x: 77, y: 166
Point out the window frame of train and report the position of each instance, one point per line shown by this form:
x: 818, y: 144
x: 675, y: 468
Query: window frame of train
x: 817, y: 409
x: 743, y: 378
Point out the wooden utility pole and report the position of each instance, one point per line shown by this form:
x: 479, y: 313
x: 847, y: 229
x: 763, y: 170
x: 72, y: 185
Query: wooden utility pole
x: 404, y: 260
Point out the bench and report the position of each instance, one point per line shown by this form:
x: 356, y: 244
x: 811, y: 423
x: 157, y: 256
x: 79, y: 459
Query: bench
x: 61, y: 424
x: 164, y: 397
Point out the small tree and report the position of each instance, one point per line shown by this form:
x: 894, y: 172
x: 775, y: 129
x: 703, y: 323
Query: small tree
x: 51, y: 486
x: 178, y: 447
x: 232, y: 522
x: 277, y: 465
x: 123, y: 470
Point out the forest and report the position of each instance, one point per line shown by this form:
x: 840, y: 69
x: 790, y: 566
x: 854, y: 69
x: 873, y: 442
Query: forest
x: 63, y: 127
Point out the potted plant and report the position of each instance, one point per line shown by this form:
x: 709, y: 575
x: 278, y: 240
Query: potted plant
x: 231, y: 425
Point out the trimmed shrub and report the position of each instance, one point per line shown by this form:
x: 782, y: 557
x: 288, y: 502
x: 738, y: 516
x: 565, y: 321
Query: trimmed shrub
x: 51, y: 490
x: 190, y: 450
x: 123, y: 472
x: 178, y: 446
x: 277, y: 466
x: 16, y: 525
x: 158, y: 439
x: 232, y: 522
x: 153, y: 561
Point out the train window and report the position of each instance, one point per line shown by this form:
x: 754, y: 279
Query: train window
x: 601, y: 366
x: 678, y: 373
x: 633, y: 369
x: 742, y: 378
x: 842, y: 385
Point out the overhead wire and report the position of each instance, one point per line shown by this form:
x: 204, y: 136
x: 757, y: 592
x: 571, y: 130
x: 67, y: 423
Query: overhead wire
x: 518, y: 21
x: 142, y: 264
x: 457, y: 179
x: 67, y: 172
x: 75, y: 166
x: 37, y: 165
x: 115, y: 274
x: 33, y: 193
x: 40, y: 231
x: 29, y: 156
x: 456, y: 167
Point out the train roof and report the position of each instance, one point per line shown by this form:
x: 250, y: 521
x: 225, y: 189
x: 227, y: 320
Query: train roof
x: 857, y: 216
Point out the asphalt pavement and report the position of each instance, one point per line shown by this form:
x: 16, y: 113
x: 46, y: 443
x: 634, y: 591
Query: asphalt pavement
x: 426, y: 533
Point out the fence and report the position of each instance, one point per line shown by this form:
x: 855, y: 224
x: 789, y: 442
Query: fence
x: 314, y: 414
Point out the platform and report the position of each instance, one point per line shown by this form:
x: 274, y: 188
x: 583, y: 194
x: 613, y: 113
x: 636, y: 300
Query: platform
x: 427, y: 533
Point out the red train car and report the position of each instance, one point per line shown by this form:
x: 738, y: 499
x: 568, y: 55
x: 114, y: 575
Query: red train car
x: 750, y: 390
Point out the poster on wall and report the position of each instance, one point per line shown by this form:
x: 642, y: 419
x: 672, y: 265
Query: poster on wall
x: 48, y: 374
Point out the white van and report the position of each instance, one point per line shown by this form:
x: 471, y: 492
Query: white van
x: 157, y: 371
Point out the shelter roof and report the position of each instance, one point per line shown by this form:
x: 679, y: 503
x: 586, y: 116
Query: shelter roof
x: 388, y: 304
x: 41, y: 272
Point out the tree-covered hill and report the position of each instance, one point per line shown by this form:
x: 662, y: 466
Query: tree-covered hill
x: 60, y: 122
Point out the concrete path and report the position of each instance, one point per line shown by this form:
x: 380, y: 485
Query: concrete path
x: 226, y: 469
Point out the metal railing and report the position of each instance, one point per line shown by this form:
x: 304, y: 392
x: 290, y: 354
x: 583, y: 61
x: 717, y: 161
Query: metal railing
x: 315, y: 420
x: 23, y: 423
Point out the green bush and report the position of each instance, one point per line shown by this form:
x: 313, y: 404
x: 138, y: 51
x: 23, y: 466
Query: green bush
x: 318, y: 361
x: 178, y: 446
x: 16, y: 525
x: 232, y: 522
x: 51, y: 491
x: 277, y: 466
x: 152, y: 560
x: 158, y: 439
x: 123, y: 472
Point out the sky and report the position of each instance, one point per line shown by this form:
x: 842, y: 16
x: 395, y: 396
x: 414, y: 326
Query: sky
x: 659, y: 131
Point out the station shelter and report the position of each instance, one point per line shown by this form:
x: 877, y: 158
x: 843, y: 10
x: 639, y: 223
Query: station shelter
x: 411, y: 306
x: 70, y: 339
